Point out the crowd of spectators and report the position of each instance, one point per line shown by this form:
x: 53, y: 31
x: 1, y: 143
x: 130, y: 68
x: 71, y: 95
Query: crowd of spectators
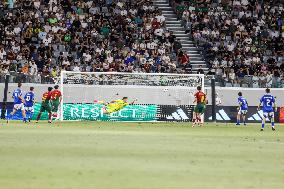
x: 243, y: 40
x: 46, y: 36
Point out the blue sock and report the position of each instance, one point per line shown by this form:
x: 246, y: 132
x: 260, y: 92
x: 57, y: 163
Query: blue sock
x: 24, y: 119
x: 272, y: 124
x: 262, y: 125
x: 27, y: 115
x: 9, y: 116
x: 238, y: 121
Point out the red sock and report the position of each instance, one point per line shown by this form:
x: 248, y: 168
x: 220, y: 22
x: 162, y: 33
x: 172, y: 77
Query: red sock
x: 49, y: 116
x: 38, y: 116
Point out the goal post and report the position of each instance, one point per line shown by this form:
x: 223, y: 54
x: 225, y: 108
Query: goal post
x: 158, y: 94
x: 62, y: 93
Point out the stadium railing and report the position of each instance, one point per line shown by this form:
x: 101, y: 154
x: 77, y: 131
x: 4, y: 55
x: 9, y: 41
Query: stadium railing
x: 15, y: 77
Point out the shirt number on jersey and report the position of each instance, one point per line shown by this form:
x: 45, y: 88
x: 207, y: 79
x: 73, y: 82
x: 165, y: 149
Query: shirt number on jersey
x: 268, y: 101
x: 28, y: 98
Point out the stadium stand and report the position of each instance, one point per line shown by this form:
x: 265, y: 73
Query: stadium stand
x: 47, y: 36
x: 241, y: 41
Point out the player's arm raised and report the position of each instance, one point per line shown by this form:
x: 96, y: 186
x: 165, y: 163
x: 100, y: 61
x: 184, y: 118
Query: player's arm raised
x: 133, y: 101
x: 101, y: 102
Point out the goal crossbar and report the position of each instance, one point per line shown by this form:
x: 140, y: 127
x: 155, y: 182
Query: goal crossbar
x: 126, y: 73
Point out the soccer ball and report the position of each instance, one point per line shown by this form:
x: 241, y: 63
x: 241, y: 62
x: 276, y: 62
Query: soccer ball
x: 165, y: 90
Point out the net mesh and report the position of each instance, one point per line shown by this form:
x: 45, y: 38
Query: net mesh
x: 132, y: 79
x: 158, y: 89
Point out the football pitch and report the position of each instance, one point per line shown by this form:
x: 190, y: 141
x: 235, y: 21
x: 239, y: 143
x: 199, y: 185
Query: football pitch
x: 113, y: 155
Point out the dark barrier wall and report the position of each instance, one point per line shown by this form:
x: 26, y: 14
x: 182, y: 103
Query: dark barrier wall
x: 152, y: 112
x: 229, y: 114
x: 175, y: 113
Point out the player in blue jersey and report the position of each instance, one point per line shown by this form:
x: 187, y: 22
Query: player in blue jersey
x: 268, y: 108
x: 242, y: 109
x: 29, y: 103
x: 18, y: 103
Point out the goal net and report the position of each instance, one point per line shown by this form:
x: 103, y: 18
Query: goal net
x: 160, y: 97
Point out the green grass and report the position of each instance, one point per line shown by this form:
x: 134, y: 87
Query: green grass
x: 100, y: 155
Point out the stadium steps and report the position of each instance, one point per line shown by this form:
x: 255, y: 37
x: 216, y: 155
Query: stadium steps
x: 174, y: 25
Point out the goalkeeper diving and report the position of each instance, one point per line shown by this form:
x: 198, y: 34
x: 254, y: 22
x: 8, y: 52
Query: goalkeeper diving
x: 116, y: 105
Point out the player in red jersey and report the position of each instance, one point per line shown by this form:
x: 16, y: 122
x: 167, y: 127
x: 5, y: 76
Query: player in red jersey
x: 45, y: 105
x: 55, y: 100
x: 200, y: 100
